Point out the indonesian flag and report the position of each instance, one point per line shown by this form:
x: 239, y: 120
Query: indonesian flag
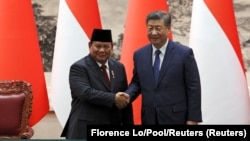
x: 20, y: 57
x: 214, y: 38
x: 135, y: 36
x: 76, y: 20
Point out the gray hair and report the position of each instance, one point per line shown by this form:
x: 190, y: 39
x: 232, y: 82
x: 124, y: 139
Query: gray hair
x: 157, y: 15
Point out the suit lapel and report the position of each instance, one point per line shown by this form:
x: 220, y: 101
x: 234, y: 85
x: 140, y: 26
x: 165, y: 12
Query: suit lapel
x: 148, y: 63
x: 97, y: 70
x: 112, y: 72
x: 166, y: 61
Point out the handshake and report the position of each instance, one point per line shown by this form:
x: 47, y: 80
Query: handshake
x: 122, y: 99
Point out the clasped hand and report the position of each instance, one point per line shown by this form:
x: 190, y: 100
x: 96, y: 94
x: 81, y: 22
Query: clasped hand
x: 121, y: 99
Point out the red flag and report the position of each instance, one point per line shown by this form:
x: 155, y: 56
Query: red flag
x: 135, y: 36
x: 214, y: 39
x: 76, y: 20
x: 20, y: 53
x: 83, y: 14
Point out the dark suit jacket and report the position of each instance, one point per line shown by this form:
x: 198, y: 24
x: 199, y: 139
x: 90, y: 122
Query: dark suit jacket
x: 92, y: 99
x: 176, y: 97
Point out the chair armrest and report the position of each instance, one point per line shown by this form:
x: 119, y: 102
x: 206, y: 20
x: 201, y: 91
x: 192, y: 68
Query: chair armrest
x: 28, y: 134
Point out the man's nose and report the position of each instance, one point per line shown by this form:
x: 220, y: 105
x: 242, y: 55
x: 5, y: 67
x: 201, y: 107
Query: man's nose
x: 154, y: 32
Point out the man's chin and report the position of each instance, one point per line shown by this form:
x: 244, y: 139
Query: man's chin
x: 102, y: 60
x: 154, y: 41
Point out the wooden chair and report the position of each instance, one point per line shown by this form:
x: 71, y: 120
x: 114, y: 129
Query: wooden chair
x: 15, y: 109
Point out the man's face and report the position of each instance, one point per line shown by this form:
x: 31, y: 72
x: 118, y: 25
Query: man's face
x: 101, y: 51
x: 157, y: 32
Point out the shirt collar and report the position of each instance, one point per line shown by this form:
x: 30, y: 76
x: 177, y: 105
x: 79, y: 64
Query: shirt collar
x: 162, y: 49
x: 99, y: 64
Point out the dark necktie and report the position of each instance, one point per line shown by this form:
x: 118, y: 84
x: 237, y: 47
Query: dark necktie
x: 157, y: 64
x: 103, y: 67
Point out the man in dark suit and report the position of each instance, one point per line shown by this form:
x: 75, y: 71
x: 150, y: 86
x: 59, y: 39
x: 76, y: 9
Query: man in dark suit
x: 168, y: 80
x: 94, y: 92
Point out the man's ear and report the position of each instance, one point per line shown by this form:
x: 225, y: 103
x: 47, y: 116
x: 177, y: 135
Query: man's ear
x: 90, y: 43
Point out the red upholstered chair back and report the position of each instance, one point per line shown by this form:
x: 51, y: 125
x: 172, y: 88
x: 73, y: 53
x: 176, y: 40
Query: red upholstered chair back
x: 15, y: 109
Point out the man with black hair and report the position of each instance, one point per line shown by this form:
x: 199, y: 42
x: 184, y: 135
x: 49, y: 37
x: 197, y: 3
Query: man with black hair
x: 94, y: 82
